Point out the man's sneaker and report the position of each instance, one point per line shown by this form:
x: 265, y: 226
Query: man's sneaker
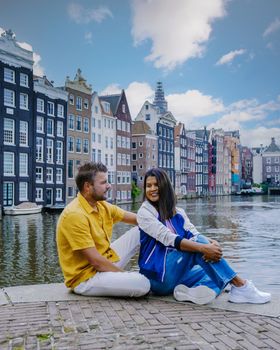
x: 248, y: 294
x: 199, y: 295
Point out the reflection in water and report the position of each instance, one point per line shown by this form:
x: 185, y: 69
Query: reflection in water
x: 247, y: 227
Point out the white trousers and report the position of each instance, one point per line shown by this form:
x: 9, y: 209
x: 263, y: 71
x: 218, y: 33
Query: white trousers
x: 119, y: 284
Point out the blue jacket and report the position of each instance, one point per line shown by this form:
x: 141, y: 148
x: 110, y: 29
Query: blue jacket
x: 153, y: 253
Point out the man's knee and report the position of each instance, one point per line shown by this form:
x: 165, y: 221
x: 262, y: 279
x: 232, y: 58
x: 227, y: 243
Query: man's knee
x: 142, y: 284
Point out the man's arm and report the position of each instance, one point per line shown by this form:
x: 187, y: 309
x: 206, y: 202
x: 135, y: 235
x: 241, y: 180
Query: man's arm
x: 129, y: 218
x: 100, y: 263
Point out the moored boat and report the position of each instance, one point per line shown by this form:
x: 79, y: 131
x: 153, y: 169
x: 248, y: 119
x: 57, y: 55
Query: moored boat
x: 24, y: 208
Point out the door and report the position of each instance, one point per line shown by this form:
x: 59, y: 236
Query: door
x: 8, y: 194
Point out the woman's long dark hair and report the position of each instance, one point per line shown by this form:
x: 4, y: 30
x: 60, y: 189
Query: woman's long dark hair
x: 167, y: 198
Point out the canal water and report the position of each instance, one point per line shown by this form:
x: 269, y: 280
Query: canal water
x: 247, y: 227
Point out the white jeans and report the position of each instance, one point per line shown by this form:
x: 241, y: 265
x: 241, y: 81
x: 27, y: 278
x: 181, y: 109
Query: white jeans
x: 119, y: 284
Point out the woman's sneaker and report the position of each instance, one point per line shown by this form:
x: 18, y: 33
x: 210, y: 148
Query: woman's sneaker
x: 248, y: 294
x: 199, y: 295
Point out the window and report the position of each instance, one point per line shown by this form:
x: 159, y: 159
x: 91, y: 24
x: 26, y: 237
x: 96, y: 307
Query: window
x: 60, y: 111
x: 134, y: 145
x: 39, y: 195
x: 23, y: 164
x: 49, y: 175
x: 106, y: 141
x: 123, y: 142
x: 71, y: 122
x: 85, y: 103
x: 119, y: 124
x: 50, y: 108
x: 39, y: 149
x: 106, y: 106
x: 123, y: 108
x: 123, y: 125
x: 40, y: 124
x: 268, y: 169
x: 86, y: 146
x: 58, y: 194
x: 50, y: 124
x: 49, y: 151
x: 86, y: 125
x: 148, y: 117
x: 119, y: 159
x: 111, y: 142
x: 9, y: 98
x: 59, y: 152
x: 59, y: 175
x: 119, y: 141
x: 128, y: 142
x: 93, y: 155
x: 23, y: 133
x: 99, y: 138
x: 70, y: 192
x: 99, y: 155
x: 146, y: 107
x: 128, y: 159
x: 140, y: 155
x: 9, y: 166
x: 106, y: 159
x: 111, y: 159
x: 140, y: 143
x: 134, y: 156
x: 40, y: 105
x: 39, y: 174
x: 277, y: 168
x: 70, y: 144
x: 99, y: 124
x: 123, y: 159
x: 9, y: 131
x: 71, y: 99
x: 79, y: 103
x: 9, y: 75
x: 59, y: 129
x: 78, y: 145
x: 23, y: 188
x: 79, y: 123
x: 70, y: 169
x: 23, y: 79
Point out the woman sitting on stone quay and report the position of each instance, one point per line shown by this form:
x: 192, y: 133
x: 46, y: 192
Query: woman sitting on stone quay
x: 176, y: 258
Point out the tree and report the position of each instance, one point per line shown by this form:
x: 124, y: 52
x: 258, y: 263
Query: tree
x: 135, y: 191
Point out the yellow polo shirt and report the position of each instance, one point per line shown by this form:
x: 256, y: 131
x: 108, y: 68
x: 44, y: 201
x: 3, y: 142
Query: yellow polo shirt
x: 80, y: 226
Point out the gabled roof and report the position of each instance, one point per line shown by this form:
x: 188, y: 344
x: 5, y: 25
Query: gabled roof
x: 114, y: 101
x: 140, y: 127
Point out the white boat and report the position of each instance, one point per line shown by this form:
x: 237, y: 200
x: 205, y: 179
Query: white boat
x: 24, y: 208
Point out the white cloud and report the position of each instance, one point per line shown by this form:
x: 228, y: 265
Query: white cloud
x: 259, y: 135
x: 80, y: 14
x: 1, y: 30
x: 178, y: 30
x: 37, y: 68
x: 136, y: 93
x: 273, y: 27
x: 229, y: 57
x: 192, y: 104
x: 88, y: 37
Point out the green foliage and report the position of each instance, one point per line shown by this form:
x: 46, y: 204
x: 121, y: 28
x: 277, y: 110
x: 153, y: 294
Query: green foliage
x: 135, y: 191
x: 44, y: 336
x: 264, y: 187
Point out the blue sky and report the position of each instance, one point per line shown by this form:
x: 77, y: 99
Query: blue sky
x: 218, y: 59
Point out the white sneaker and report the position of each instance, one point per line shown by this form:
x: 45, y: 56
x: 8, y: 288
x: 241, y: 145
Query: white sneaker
x: 248, y: 294
x: 199, y: 295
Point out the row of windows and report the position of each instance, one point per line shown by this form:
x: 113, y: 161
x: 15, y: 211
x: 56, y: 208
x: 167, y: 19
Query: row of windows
x: 123, y: 125
x: 271, y: 159
x: 80, y: 103
x: 9, y: 164
x: 123, y: 159
x: 78, y: 123
x: 50, y: 108
x: 78, y: 145
x: 10, y: 77
x: 40, y: 126
x: 10, y: 99
x: 49, y: 175
x: 40, y: 156
x: 166, y: 161
x: 9, y: 132
x: 168, y: 133
x: 270, y: 169
x: 40, y: 194
x: 107, y: 123
x: 165, y: 145
x: 123, y: 177
x: 123, y: 142
x: 123, y: 195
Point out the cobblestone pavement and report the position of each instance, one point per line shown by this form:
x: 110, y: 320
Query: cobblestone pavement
x: 103, y: 323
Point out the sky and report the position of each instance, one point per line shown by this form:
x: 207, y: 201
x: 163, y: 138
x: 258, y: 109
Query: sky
x: 218, y: 60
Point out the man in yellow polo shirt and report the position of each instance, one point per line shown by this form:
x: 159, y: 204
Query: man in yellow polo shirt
x: 91, y: 265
